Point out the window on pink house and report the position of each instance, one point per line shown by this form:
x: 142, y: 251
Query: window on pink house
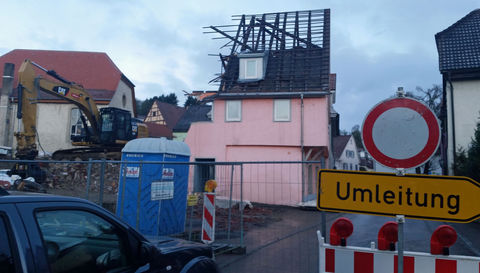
x: 281, y: 110
x: 233, y: 110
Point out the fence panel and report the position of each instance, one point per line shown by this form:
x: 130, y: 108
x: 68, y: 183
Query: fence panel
x: 256, y: 206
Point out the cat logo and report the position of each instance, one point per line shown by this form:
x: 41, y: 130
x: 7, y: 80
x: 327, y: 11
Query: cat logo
x: 61, y: 90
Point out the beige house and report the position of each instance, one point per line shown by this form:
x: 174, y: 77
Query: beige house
x: 57, y: 119
x: 459, y: 63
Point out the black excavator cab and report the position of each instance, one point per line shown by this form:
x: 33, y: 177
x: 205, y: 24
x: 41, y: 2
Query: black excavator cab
x: 115, y: 128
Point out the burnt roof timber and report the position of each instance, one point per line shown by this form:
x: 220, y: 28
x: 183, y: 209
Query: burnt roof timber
x: 309, y: 27
x: 246, y: 34
x: 242, y: 22
x: 259, y: 35
x: 230, y: 37
x: 277, y: 21
x: 295, y: 32
x: 315, y: 11
x: 282, y: 45
x: 222, y: 60
x: 289, y: 34
x: 298, y: 48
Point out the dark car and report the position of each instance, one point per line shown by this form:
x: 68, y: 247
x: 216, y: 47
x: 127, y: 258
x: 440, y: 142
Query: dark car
x: 45, y: 233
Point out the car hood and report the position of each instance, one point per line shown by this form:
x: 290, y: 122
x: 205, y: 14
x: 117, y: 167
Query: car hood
x: 169, y: 244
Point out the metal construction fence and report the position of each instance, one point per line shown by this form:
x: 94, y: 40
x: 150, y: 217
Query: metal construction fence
x: 250, y: 196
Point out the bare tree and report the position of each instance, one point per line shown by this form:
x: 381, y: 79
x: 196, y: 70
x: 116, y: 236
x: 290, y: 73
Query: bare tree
x: 432, y: 97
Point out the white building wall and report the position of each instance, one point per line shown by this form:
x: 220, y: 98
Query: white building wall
x: 53, y: 126
x: 466, y: 104
x: 123, y: 97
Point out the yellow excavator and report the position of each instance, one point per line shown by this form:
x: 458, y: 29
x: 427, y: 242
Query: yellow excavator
x: 105, y: 131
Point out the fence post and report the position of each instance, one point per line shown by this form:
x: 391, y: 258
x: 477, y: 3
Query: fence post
x: 241, y: 207
x: 230, y: 204
x: 102, y: 182
x: 123, y: 171
x: 89, y: 174
x: 323, y: 214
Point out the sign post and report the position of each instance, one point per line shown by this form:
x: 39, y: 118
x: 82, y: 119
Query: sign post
x: 401, y: 133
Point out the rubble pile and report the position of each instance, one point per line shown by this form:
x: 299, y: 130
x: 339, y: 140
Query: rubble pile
x: 73, y: 176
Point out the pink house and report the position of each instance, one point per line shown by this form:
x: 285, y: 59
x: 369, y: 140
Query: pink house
x: 273, y: 104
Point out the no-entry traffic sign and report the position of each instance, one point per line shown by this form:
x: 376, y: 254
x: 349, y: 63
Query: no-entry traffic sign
x: 429, y: 197
x: 401, y: 133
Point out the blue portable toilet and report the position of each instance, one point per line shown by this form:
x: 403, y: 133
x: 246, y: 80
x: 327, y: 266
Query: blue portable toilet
x: 153, y: 197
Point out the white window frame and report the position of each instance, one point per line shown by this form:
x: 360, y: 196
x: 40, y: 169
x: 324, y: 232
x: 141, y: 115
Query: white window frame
x: 255, y: 66
x: 276, y: 106
x: 256, y: 71
x: 228, y: 110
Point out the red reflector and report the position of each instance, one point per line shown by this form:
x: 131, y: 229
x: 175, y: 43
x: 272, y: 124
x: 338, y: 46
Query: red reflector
x: 446, y: 235
x: 343, y: 227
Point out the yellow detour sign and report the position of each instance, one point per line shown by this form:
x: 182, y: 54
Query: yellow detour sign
x: 429, y: 197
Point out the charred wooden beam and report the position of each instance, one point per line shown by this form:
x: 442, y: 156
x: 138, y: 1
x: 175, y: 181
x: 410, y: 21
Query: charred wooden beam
x: 259, y: 35
x: 230, y: 37
x: 282, y: 44
x: 242, y: 22
x: 277, y: 20
x: 290, y: 34
x: 246, y: 34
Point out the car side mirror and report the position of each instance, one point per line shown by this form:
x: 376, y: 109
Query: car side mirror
x: 147, y: 253
x: 108, y: 260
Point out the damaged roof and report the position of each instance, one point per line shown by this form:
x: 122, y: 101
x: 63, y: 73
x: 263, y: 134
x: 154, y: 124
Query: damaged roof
x: 295, y: 46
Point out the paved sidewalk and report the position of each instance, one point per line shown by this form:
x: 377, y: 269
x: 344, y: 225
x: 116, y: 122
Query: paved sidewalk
x: 287, y: 245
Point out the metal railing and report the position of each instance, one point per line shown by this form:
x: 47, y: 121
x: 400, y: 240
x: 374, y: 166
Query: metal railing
x: 253, y: 199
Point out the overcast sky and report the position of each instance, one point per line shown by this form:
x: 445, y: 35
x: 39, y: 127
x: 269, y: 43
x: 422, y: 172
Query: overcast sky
x: 376, y: 45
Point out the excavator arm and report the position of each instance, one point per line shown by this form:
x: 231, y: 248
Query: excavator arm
x: 29, y: 84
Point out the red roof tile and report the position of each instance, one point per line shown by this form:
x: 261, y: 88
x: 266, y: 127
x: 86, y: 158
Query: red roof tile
x: 93, y: 70
x: 157, y: 130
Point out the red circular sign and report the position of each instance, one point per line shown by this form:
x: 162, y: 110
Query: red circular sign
x: 401, y: 133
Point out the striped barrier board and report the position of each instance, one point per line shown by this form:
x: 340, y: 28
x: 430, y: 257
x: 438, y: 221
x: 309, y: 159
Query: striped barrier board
x: 208, y: 219
x: 350, y: 259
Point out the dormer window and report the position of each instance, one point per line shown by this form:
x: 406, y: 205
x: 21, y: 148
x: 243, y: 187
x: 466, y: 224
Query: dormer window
x: 252, y: 66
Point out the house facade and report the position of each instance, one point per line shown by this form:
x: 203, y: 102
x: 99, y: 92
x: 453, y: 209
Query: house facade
x: 345, y: 153
x: 57, y: 119
x: 273, y: 105
x: 459, y: 63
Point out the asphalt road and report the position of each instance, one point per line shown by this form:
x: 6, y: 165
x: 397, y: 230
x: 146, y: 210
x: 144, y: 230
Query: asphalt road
x: 291, y: 245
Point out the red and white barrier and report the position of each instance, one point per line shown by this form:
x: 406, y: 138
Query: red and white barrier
x: 208, y: 222
x: 348, y: 259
